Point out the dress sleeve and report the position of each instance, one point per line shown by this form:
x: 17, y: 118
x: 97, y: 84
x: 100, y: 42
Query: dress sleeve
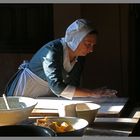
x: 52, y: 66
x: 68, y: 92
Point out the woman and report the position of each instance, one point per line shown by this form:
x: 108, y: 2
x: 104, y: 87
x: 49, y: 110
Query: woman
x: 55, y: 69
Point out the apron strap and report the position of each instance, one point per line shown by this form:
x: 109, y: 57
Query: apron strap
x: 10, y: 86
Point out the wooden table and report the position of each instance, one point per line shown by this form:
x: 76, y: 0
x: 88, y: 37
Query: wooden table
x: 110, y: 107
x: 108, y: 121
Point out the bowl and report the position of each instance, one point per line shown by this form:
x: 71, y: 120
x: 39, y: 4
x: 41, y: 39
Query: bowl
x: 87, y: 111
x: 20, y: 109
x: 78, y: 125
x: 67, y: 110
x: 25, y: 130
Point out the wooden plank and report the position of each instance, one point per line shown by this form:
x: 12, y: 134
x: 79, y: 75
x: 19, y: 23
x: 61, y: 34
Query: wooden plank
x: 110, y: 109
x: 90, y: 132
x: 44, y: 112
x: 137, y: 115
x: 55, y: 103
x: 118, y: 124
x: 115, y: 120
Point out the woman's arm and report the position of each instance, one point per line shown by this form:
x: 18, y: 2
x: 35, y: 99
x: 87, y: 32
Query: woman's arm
x: 101, y: 92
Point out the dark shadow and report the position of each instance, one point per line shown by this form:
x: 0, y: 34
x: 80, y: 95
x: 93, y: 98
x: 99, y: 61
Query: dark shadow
x: 25, y: 130
x: 136, y: 130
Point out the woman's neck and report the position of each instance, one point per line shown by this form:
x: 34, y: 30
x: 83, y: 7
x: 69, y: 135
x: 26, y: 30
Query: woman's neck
x: 72, y: 55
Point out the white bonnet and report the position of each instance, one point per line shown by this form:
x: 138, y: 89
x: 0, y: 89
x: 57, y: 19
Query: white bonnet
x: 76, y: 32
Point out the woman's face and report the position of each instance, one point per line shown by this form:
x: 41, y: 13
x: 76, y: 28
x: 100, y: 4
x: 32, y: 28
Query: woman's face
x: 87, y: 45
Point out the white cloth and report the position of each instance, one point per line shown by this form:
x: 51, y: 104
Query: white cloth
x: 76, y: 32
x: 69, y: 90
x: 30, y: 85
x: 66, y: 62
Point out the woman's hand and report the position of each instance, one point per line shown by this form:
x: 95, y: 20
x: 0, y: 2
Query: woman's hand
x: 104, y: 92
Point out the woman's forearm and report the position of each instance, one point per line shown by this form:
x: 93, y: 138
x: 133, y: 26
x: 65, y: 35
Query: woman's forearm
x: 81, y: 92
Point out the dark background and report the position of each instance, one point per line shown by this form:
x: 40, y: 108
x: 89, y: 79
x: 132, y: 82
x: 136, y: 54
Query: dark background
x: 25, y: 27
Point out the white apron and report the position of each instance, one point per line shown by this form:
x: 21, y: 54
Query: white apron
x: 31, y: 85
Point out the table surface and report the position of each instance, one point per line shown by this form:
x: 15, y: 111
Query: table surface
x: 110, y: 107
x: 107, y: 121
